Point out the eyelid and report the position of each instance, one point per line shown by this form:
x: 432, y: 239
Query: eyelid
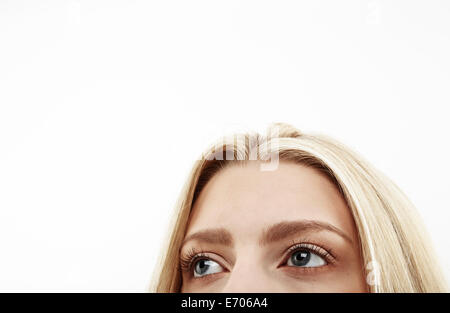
x: 188, y: 260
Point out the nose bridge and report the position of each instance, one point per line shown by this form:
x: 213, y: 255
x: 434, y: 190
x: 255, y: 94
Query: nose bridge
x: 248, y: 276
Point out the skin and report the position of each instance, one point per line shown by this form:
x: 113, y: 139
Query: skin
x: 245, y: 220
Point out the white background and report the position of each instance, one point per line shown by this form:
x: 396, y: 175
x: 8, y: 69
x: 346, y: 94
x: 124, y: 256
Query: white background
x: 104, y: 105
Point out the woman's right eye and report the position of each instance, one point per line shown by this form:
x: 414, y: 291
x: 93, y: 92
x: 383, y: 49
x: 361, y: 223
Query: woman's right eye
x: 205, y: 267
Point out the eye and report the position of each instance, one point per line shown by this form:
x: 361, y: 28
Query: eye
x: 305, y: 258
x: 205, y: 267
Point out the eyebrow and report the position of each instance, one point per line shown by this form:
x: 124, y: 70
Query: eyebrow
x: 284, y: 230
x: 272, y: 234
x: 219, y: 236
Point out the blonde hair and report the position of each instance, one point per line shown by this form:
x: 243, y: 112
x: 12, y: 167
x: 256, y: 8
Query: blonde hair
x: 396, y: 250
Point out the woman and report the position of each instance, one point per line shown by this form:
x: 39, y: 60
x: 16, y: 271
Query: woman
x: 293, y: 212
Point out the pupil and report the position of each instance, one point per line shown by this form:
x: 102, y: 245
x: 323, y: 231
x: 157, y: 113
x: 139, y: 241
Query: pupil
x: 201, y: 266
x: 301, y: 258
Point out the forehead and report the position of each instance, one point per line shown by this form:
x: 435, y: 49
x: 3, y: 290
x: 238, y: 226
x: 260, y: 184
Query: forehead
x: 245, y: 200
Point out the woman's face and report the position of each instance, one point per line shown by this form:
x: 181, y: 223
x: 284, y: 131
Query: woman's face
x: 287, y: 230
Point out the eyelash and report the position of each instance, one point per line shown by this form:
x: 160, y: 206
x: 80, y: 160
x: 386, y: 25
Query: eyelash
x: 188, y: 260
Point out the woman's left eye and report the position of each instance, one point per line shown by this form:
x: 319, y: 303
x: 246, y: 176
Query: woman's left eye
x: 305, y: 258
